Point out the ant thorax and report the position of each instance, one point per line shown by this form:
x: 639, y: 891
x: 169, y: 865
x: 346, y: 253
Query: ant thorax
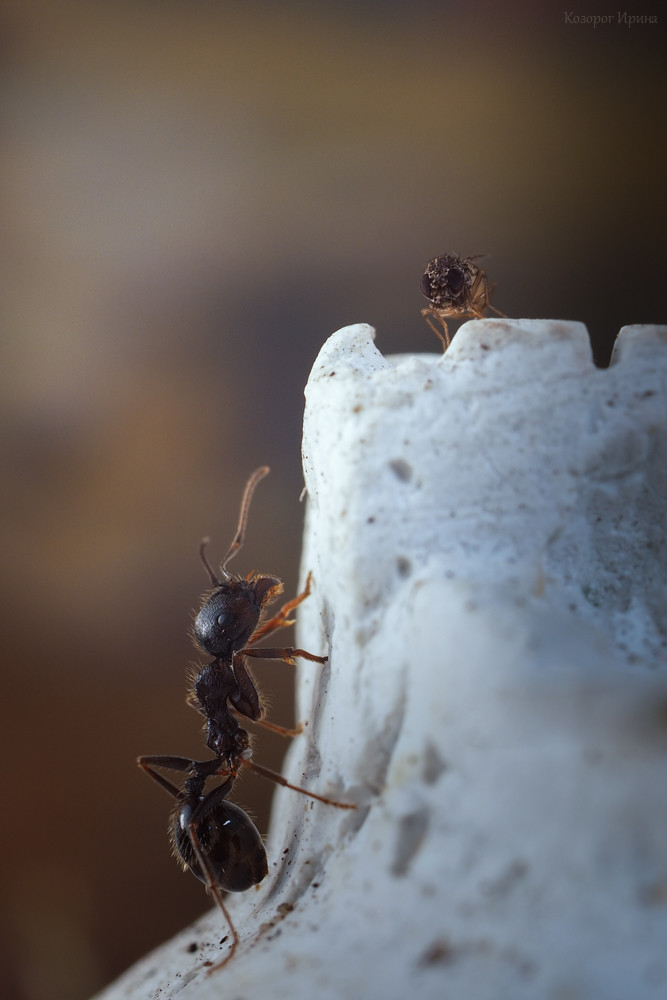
x: 223, y: 627
x: 215, y: 689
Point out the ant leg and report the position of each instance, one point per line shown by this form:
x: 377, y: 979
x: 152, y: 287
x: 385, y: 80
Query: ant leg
x: 215, y: 891
x: 167, y: 761
x: 197, y: 768
x: 148, y: 764
x: 247, y: 703
x: 246, y: 700
x: 286, y: 653
x: 235, y: 936
x: 278, y: 778
x: 281, y: 730
x: 446, y: 340
x: 281, y: 620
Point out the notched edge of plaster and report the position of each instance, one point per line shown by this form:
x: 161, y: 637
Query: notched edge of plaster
x: 348, y: 351
x: 638, y: 339
x: 479, y: 337
x: 351, y: 351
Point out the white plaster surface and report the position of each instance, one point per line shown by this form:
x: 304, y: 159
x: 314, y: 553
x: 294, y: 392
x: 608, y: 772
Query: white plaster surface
x: 486, y: 533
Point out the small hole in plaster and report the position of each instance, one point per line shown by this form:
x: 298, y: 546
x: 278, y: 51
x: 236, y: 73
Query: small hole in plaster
x: 411, y: 833
x: 432, y: 764
x: 401, y: 469
x: 505, y: 882
x: 439, y: 952
x: 404, y: 566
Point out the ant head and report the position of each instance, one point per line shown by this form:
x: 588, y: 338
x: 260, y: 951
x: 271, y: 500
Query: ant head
x: 231, y: 614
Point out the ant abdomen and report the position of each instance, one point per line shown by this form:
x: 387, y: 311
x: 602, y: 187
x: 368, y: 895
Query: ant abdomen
x: 229, y: 841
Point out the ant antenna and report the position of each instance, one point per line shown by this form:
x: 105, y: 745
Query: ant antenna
x: 243, y: 515
x: 209, y: 569
x: 240, y: 529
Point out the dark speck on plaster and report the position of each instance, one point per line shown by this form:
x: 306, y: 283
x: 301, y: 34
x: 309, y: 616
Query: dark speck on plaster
x: 401, y: 469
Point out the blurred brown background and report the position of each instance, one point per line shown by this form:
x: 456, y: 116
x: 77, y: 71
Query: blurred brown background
x: 194, y: 196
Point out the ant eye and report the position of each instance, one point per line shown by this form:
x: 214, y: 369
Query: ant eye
x: 425, y: 285
x: 225, y: 619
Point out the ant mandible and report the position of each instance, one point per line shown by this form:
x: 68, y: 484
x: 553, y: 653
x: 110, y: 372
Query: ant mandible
x: 212, y: 837
x: 455, y: 286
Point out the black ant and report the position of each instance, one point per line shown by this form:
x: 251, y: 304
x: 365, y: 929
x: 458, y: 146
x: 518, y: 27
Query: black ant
x: 455, y: 286
x: 212, y: 837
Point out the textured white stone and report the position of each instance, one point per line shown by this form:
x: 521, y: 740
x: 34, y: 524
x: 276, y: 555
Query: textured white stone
x: 486, y: 533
